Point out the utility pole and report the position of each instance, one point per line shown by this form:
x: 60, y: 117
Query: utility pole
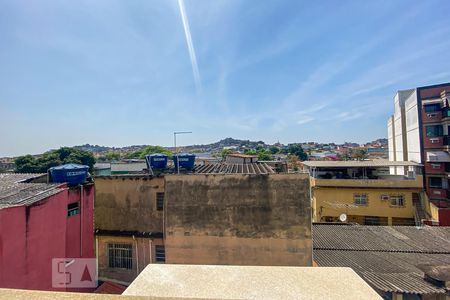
x: 175, y: 146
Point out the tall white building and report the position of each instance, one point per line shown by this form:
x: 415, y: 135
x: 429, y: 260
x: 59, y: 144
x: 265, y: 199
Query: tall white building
x: 419, y: 131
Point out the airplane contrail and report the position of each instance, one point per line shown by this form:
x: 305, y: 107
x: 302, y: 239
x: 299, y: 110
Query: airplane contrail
x: 187, y: 32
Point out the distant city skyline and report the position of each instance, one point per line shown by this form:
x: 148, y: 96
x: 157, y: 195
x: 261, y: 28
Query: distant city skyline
x: 120, y: 73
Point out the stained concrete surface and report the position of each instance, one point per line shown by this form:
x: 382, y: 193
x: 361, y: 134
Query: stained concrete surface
x: 250, y: 282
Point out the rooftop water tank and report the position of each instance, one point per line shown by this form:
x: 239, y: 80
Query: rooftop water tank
x: 156, y: 161
x: 73, y: 174
x: 184, y: 160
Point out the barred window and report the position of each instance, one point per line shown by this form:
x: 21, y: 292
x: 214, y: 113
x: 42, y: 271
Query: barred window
x: 120, y: 256
x: 360, y: 199
x: 159, y: 201
x: 160, y: 254
x: 397, y: 200
x: 73, y: 209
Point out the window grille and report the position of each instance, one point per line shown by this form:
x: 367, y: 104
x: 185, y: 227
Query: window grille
x: 120, y: 256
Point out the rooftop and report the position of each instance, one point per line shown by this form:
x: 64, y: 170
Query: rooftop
x: 17, y: 189
x: 228, y: 168
x: 390, y: 259
x: 249, y: 282
x: 359, y: 163
x: 242, y: 155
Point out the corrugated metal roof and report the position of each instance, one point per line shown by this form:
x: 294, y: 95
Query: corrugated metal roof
x: 359, y: 163
x: 438, y: 156
x: 426, y: 239
x: 227, y: 168
x: 387, y: 258
x: 15, y: 191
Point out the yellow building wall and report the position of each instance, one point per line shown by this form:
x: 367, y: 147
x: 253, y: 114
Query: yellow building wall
x: 332, y: 202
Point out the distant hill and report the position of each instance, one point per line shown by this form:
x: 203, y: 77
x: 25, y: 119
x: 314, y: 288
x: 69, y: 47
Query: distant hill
x: 212, y: 147
x: 215, y: 147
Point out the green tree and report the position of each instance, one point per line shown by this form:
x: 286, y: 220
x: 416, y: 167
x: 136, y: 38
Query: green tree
x: 297, y: 150
x: 64, y: 155
x: 344, y: 156
x: 260, y: 152
x: 250, y: 152
x: 265, y: 155
x: 225, y: 152
x: 359, y: 154
x: 274, y: 149
x: 154, y: 149
x: 148, y: 150
x: 111, y: 156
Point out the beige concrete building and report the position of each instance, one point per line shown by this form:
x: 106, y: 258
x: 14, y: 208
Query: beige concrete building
x: 241, y: 219
x: 238, y: 219
x: 129, y: 225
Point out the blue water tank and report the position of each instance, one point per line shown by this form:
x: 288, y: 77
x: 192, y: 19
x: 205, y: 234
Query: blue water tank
x: 73, y: 174
x: 156, y: 161
x: 185, y: 160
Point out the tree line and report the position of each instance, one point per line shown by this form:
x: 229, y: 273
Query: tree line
x: 64, y: 155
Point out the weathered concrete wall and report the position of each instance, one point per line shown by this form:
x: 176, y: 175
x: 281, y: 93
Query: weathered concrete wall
x: 128, y: 203
x: 238, y: 219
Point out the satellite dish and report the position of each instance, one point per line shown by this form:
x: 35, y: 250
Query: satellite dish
x: 343, y: 217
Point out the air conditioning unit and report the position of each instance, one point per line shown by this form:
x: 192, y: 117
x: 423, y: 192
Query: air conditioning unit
x: 431, y: 115
x: 434, y: 141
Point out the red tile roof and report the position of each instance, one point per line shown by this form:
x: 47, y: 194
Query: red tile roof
x: 108, y: 287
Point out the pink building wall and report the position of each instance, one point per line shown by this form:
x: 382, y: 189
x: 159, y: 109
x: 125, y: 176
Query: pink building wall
x: 30, y: 237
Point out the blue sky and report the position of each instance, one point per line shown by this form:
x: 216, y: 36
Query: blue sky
x: 120, y: 72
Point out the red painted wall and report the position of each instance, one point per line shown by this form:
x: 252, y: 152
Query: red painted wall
x: 12, y: 249
x: 432, y: 117
x: 30, y: 237
x: 73, y: 246
x: 430, y: 170
x: 444, y: 217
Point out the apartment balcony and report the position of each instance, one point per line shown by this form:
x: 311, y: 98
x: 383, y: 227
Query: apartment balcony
x: 436, y: 168
x: 386, y: 181
x: 437, y: 142
x: 430, y: 117
x: 438, y: 193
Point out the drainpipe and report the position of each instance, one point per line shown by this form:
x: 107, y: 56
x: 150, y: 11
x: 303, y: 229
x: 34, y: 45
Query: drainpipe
x: 81, y: 220
x: 150, y: 244
x: 96, y: 255
x: 137, y: 256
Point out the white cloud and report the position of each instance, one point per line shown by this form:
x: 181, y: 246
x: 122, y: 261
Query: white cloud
x: 190, y: 44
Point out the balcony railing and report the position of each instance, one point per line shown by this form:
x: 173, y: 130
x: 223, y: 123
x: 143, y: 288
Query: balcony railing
x: 385, y: 182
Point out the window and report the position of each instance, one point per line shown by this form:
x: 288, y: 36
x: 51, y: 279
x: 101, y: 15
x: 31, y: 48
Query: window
x: 160, y: 254
x: 120, y: 256
x: 434, y: 130
x: 384, y: 197
x: 159, y: 201
x: 360, y: 199
x: 430, y: 108
x: 73, y: 209
x: 435, y: 182
x: 397, y: 200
